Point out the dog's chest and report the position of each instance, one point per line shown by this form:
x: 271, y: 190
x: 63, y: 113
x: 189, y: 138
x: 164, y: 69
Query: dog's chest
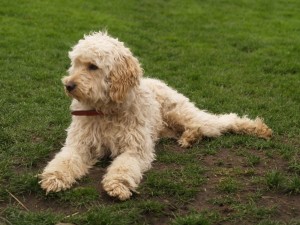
x: 111, y: 133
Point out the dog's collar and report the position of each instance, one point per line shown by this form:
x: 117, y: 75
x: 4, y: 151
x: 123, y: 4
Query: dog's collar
x: 87, y: 113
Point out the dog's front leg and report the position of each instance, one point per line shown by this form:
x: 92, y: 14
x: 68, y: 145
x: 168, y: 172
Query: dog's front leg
x: 125, y: 173
x: 71, y: 163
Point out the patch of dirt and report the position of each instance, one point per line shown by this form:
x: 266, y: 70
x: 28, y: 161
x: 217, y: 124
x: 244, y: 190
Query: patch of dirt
x: 224, y: 164
x: 36, y: 204
x: 286, y: 206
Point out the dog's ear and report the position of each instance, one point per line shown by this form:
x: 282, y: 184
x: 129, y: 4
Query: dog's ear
x: 124, y: 76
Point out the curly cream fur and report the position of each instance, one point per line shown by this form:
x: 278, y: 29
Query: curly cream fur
x: 137, y: 111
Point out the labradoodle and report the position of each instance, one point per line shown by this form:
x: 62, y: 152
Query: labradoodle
x: 118, y: 113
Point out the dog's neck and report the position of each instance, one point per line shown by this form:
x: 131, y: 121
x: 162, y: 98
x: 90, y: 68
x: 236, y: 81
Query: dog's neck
x: 110, y: 108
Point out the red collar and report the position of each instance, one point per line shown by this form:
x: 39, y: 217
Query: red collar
x: 87, y: 113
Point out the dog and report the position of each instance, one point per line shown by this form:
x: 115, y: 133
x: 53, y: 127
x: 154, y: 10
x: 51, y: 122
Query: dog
x: 117, y: 112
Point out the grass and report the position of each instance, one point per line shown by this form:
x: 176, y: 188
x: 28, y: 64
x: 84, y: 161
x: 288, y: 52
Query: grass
x: 274, y: 179
x: 228, y: 185
x: 227, y: 56
x: 196, y: 219
x: 253, y: 160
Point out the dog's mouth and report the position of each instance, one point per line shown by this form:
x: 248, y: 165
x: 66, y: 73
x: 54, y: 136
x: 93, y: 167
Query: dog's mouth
x: 68, y: 93
x: 72, y: 92
x: 77, y: 93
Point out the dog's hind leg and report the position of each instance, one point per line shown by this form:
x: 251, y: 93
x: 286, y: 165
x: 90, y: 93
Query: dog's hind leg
x: 193, y: 123
x: 196, y: 124
x: 182, y: 119
x: 215, y: 125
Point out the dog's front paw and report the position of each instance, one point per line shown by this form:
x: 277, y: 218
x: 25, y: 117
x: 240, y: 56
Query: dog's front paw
x: 54, y: 181
x: 115, y: 188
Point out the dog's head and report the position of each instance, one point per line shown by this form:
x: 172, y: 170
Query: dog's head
x: 102, y: 70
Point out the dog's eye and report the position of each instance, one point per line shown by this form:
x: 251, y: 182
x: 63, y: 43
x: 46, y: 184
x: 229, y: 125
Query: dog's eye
x: 92, y: 67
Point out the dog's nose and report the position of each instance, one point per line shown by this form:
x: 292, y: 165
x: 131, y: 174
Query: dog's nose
x: 70, y: 86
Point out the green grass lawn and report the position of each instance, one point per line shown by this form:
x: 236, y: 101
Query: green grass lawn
x: 238, y: 56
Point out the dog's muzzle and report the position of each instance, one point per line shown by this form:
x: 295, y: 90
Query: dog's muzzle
x: 70, y: 86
